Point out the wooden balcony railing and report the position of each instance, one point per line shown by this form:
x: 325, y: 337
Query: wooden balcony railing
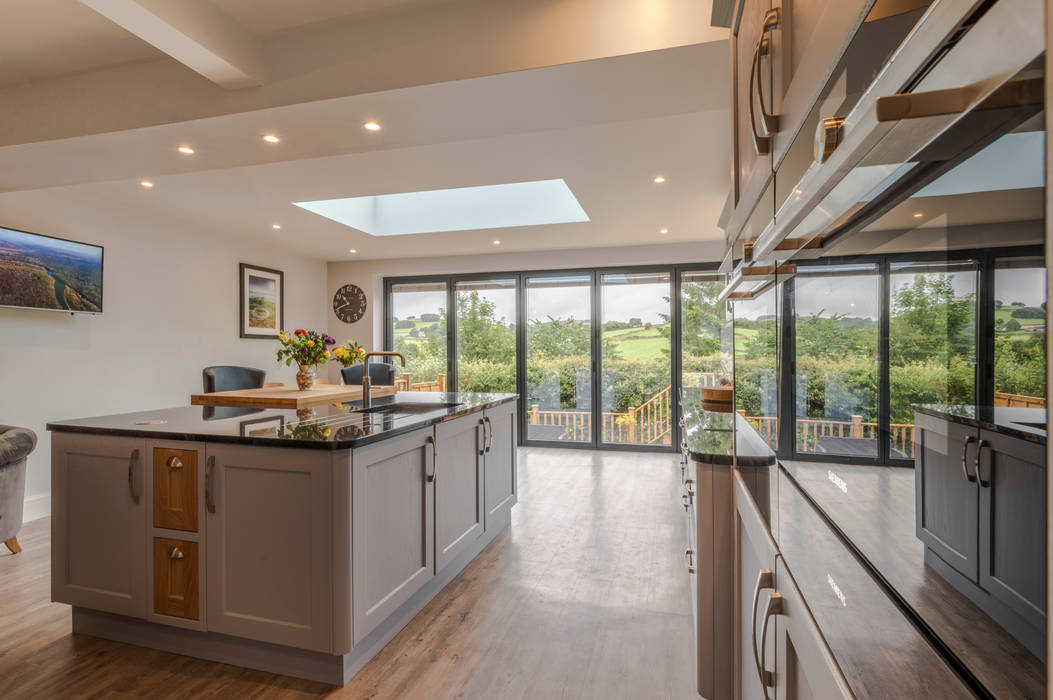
x: 406, y: 383
x: 1018, y: 400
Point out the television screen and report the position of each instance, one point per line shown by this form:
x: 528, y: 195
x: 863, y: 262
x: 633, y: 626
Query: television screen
x: 41, y: 272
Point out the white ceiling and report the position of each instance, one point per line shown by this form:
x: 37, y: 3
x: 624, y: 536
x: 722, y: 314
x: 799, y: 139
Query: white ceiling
x: 607, y: 127
x: 269, y: 17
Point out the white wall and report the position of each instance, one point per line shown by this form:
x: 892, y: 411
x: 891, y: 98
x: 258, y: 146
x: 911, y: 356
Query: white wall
x: 170, y: 309
x: 370, y: 274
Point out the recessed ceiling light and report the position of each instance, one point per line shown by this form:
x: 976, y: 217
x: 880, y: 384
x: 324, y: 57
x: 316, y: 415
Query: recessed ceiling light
x: 276, y: 227
x: 918, y: 215
x: 371, y: 126
x: 659, y: 179
x: 497, y: 242
x: 352, y: 250
x: 187, y: 150
x: 663, y: 231
x: 146, y: 184
x: 271, y: 138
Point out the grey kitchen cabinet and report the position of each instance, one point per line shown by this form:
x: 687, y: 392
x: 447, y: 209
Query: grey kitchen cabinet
x: 751, y: 76
x: 757, y: 577
x: 392, y: 524
x: 1011, y: 473
x: 460, y: 446
x: 805, y: 667
x: 268, y: 555
x: 946, y: 494
x: 500, y: 479
x: 98, y: 524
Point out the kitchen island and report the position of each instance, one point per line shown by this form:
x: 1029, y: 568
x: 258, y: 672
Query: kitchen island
x: 294, y: 544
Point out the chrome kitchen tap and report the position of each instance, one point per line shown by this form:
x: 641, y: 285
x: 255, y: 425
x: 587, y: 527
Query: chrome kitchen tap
x: 365, y: 372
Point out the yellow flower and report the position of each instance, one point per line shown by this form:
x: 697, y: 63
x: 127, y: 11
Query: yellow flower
x: 327, y: 353
x: 310, y: 343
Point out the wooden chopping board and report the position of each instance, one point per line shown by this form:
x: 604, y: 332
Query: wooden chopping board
x: 287, y: 396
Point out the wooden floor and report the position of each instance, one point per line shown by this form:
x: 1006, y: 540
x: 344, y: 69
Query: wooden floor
x: 585, y: 596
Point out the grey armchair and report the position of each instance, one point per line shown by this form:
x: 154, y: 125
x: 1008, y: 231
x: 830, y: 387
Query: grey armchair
x: 15, y: 446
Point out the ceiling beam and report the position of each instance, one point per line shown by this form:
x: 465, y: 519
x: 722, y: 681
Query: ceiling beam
x: 194, y: 33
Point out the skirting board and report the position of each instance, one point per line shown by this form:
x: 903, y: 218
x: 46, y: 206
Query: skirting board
x: 36, y: 507
x: 273, y: 658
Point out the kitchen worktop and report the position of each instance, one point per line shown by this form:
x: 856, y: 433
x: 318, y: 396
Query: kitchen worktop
x: 714, y: 437
x: 1025, y: 423
x: 333, y: 427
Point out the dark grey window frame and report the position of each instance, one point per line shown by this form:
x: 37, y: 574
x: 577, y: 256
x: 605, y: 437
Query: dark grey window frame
x: 594, y: 273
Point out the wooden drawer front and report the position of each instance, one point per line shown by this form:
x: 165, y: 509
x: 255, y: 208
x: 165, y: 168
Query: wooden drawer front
x: 175, y: 489
x: 175, y: 578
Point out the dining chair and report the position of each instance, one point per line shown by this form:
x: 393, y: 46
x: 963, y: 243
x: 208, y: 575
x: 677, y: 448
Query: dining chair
x: 230, y: 378
x: 380, y: 374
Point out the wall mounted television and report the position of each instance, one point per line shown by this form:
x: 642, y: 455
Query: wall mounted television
x: 54, y: 274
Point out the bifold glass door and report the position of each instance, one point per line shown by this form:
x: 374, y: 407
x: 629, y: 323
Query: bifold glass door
x: 486, y: 335
x: 417, y: 316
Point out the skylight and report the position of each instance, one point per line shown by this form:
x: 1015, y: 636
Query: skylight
x: 459, y: 209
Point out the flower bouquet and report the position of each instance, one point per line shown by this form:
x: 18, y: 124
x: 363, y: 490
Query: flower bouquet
x: 350, y: 353
x: 307, y: 349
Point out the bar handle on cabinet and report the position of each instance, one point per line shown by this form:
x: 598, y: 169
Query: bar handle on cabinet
x: 210, y: 504
x: 490, y: 430
x: 770, y: 121
x: 761, y: 144
x: 765, y: 579
x: 132, y: 461
x: 965, y: 451
x: 774, y: 607
x: 690, y: 493
x: 690, y: 556
x: 482, y: 450
x: 986, y: 483
x: 434, y: 456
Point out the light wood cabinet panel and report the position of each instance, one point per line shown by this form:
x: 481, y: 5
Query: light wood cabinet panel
x: 459, y: 451
x: 268, y: 544
x: 175, y: 488
x: 756, y: 581
x: 392, y: 525
x: 98, y: 525
x: 806, y: 668
x: 1012, y: 476
x: 500, y: 478
x: 176, y: 578
x: 946, y: 491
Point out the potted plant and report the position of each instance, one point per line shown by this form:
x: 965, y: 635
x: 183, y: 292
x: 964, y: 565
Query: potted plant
x: 350, y: 353
x: 307, y: 349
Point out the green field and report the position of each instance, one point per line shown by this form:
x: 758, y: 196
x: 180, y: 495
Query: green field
x: 1027, y: 325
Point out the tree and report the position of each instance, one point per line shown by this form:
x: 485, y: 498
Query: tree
x: 430, y: 318
x: 635, y: 322
x: 481, y: 335
x: 930, y: 322
x: 701, y: 318
x: 1028, y: 312
x: 404, y: 324
x: 1012, y: 325
x: 829, y: 337
x: 557, y: 337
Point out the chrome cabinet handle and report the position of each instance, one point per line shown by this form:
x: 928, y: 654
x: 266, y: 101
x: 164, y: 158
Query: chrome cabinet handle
x: 685, y: 501
x: 762, y: 142
x: 434, y: 456
x: 175, y: 553
x: 490, y: 427
x: 132, y: 461
x: 174, y: 462
x: 689, y: 491
x: 965, y: 450
x: 765, y: 579
x: 690, y: 556
x: 482, y: 450
x: 985, y: 483
x: 210, y: 504
x: 767, y: 675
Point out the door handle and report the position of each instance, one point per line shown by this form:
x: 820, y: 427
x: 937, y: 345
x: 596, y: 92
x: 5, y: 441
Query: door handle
x: 689, y: 491
x: 210, y: 504
x: 690, y: 556
x: 434, y: 456
x: 132, y: 461
x: 965, y: 451
x: 490, y: 429
x: 174, y: 462
x: 765, y: 579
x: 175, y: 553
x: 767, y: 675
x: 986, y: 483
x: 482, y: 450
x: 770, y: 121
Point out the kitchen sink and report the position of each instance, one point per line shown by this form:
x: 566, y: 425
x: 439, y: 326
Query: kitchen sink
x: 410, y: 407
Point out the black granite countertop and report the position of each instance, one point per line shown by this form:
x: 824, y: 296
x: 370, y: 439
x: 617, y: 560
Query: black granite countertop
x: 1025, y: 423
x: 714, y: 437
x: 331, y: 427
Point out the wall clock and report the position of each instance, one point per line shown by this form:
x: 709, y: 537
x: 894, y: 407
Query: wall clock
x: 349, y: 303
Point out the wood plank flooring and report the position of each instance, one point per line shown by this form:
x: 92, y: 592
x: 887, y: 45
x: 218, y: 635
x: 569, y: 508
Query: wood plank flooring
x: 585, y: 596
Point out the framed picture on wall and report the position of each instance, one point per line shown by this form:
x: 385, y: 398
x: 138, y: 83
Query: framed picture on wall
x: 262, y: 298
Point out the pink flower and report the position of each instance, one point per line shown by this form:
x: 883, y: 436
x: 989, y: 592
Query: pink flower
x: 298, y: 331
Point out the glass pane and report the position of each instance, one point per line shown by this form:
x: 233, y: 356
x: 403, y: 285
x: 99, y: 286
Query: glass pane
x: 836, y: 313
x: 636, y: 402
x: 486, y: 335
x: 932, y: 343
x: 418, y: 320
x: 559, y: 358
x: 1020, y: 333
x: 702, y: 323
x: 757, y: 362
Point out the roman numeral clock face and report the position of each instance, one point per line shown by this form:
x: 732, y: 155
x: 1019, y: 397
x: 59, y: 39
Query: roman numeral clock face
x: 349, y: 303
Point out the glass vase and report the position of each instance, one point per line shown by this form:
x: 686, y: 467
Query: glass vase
x: 305, y: 377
